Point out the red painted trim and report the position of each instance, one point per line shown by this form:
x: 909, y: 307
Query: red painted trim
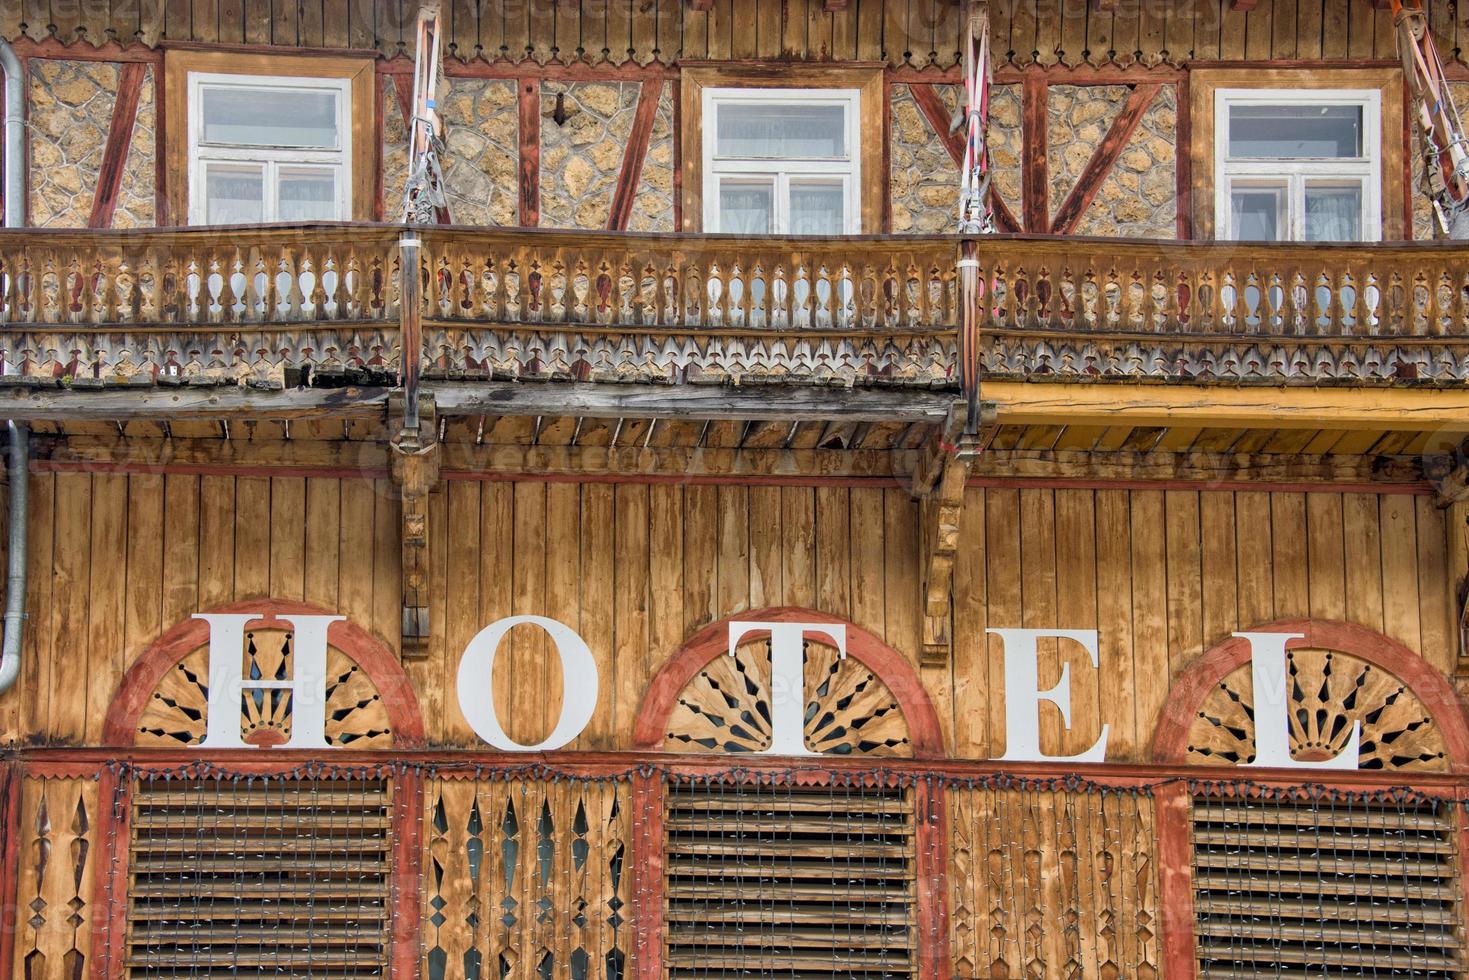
x: 207, y: 469
x: 530, y: 151
x: 52, y: 48
x: 406, y: 917
x: 1104, y: 158
x: 932, y: 841
x: 503, y: 68
x: 646, y: 877
x: 110, y: 877
x: 886, y: 157
x: 1036, y: 184
x: 369, y: 653
x: 1186, y: 697
x: 10, y: 803
x: 635, y: 155
x: 403, y: 95
x: 1175, y: 880
x: 1419, y: 489
x: 457, y: 763
x: 119, y: 140
x: 890, y: 667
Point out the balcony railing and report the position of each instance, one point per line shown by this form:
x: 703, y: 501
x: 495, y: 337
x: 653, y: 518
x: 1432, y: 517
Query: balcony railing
x: 249, y: 302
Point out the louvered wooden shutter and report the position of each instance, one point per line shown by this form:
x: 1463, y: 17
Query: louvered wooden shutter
x: 1330, y: 888
x: 258, y: 877
x: 803, y: 883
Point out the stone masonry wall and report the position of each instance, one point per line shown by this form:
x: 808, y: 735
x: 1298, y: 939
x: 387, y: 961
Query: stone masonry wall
x: 582, y: 157
x: 481, y: 151
x: 70, y: 113
x: 1138, y: 198
x: 924, y: 181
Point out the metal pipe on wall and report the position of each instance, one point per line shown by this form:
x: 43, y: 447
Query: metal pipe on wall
x: 18, y: 458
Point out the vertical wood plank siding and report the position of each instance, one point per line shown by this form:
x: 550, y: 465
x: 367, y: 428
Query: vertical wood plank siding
x: 916, y: 33
x: 637, y: 568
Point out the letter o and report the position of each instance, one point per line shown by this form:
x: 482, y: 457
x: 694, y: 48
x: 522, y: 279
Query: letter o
x: 476, y: 683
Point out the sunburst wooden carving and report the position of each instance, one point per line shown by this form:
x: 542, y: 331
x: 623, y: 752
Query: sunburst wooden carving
x: 726, y: 707
x: 1329, y: 690
x: 178, y: 711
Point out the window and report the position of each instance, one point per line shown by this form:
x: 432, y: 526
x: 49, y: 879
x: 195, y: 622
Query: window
x: 1298, y: 165
x: 253, y: 138
x: 268, y: 149
x: 781, y: 161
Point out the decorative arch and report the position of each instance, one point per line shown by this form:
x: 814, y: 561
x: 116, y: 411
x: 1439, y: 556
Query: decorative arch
x: 375, y: 660
x: 1414, y: 707
x: 885, y: 664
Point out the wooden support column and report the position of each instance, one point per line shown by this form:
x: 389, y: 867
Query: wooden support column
x: 938, y: 483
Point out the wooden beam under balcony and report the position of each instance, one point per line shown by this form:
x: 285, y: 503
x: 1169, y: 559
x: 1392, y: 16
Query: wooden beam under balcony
x: 588, y: 400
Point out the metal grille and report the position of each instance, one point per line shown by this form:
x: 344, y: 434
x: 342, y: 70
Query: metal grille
x: 796, y: 882
x: 258, y: 876
x: 1327, y: 887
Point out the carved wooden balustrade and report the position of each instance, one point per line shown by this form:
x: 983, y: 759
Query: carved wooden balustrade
x: 227, y: 304
x: 248, y: 304
x: 1225, y: 311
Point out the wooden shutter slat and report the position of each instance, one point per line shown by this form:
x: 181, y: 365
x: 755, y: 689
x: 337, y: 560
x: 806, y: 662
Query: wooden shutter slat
x: 258, y: 875
x: 810, y: 883
x: 1360, y: 886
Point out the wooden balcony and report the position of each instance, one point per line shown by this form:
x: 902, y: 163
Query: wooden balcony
x: 282, y: 306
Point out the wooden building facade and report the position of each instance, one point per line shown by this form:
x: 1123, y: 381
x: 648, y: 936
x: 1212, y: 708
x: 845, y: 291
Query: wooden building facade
x: 669, y: 424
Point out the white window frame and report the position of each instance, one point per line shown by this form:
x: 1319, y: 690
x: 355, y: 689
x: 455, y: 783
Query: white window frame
x: 1293, y: 172
x: 273, y: 159
x: 782, y: 169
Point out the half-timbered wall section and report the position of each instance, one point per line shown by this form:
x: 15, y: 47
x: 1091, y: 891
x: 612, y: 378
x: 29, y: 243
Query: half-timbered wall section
x: 567, y: 116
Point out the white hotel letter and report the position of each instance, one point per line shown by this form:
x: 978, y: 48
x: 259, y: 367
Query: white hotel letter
x: 1272, y: 707
x: 1023, y: 696
x: 787, y: 678
x: 226, y: 682
x: 476, y: 683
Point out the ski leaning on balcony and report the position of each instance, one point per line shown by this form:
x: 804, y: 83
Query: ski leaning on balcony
x: 424, y: 201
x: 1445, y: 146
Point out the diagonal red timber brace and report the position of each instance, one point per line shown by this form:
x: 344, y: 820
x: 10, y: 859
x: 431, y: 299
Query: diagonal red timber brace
x: 938, y: 484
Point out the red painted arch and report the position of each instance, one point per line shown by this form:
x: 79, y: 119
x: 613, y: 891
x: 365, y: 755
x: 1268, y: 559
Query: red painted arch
x: 369, y: 653
x: 1170, y: 739
x: 887, y: 664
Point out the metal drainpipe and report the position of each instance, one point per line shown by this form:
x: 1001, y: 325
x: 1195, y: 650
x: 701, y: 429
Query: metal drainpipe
x: 18, y: 458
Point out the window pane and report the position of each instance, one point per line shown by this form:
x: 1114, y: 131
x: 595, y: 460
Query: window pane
x: 254, y: 116
x: 781, y: 131
x: 308, y: 195
x: 746, y: 207
x: 1256, y: 213
x: 1276, y: 131
x: 817, y: 208
x: 1333, y: 212
x: 234, y: 195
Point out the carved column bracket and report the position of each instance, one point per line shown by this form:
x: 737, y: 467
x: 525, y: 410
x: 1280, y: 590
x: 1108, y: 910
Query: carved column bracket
x: 416, y: 474
x: 938, y: 483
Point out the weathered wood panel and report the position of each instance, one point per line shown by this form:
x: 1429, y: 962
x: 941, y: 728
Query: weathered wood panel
x: 902, y: 33
x: 637, y: 567
x: 57, y: 849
